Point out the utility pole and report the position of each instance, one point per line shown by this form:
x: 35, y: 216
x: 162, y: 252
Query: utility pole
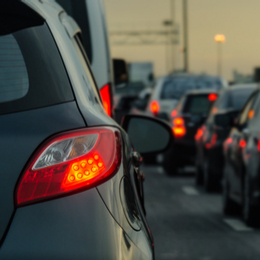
x: 185, y: 36
x: 172, y: 36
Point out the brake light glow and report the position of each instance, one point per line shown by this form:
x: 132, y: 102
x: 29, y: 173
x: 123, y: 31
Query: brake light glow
x: 251, y: 114
x: 154, y: 106
x: 106, y: 97
x: 212, y: 97
x: 213, y: 139
x: 178, y: 129
x: 198, y: 134
x: 174, y: 113
x: 229, y: 140
x: 69, y: 162
x: 258, y: 146
x: 242, y: 143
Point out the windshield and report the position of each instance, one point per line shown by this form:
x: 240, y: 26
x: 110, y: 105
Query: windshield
x: 174, y: 88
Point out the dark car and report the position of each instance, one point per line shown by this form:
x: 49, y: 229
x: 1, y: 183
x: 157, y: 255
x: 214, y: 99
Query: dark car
x: 70, y: 181
x: 210, y: 137
x: 241, y: 182
x: 189, y: 114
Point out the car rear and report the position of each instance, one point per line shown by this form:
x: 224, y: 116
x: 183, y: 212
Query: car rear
x: 188, y: 116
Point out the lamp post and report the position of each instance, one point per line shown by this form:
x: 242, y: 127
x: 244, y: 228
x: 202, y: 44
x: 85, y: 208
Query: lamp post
x: 219, y: 39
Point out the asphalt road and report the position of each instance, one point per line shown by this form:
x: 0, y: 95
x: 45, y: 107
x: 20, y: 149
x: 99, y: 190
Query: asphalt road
x: 188, y: 224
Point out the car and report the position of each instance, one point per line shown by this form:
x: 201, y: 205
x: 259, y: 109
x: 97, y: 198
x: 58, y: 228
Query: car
x: 209, y: 138
x: 70, y: 185
x: 169, y: 89
x: 91, y: 18
x: 189, y: 114
x: 241, y: 171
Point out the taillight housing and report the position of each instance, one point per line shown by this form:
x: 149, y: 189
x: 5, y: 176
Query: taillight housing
x: 154, y: 106
x: 106, y: 96
x: 178, y: 128
x: 198, y: 134
x: 70, y: 162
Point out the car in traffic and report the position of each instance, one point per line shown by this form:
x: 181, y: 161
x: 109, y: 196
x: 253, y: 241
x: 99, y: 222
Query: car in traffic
x: 70, y: 185
x: 241, y: 171
x: 210, y: 137
x: 189, y: 114
x: 91, y: 18
x: 169, y: 89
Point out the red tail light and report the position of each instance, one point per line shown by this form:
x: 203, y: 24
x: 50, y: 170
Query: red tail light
x: 229, y: 140
x: 69, y: 162
x: 212, y: 97
x: 106, y: 96
x: 214, y: 139
x: 242, y: 143
x: 199, y: 134
x: 179, y: 129
x: 174, y: 113
x: 154, y: 106
x: 258, y: 146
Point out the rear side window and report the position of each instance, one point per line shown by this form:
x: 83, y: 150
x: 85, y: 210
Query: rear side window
x: 78, y: 10
x: 32, y: 74
x: 174, y: 88
x: 197, y: 104
x: 14, y: 80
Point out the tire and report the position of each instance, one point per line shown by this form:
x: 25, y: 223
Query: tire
x: 208, y: 183
x: 170, y: 162
x: 250, y: 212
x: 229, y: 206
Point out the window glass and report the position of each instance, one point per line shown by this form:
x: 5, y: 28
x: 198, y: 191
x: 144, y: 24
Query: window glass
x: 174, y: 88
x: 32, y: 73
x: 197, y: 104
x: 14, y: 81
x: 244, y: 114
x: 239, y: 97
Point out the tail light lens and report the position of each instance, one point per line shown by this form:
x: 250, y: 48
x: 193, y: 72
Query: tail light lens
x: 178, y: 129
x: 198, y: 134
x: 242, y: 143
x: 154, y: 106
x: 106, y: 96
x: 70, y: 161
x: 212, y: 97
x: 174, y: 113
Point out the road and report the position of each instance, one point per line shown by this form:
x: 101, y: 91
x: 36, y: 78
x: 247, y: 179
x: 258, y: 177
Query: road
x: 188, y: 223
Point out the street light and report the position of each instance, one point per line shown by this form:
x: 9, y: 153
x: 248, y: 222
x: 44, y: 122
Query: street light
x: 219, y: 39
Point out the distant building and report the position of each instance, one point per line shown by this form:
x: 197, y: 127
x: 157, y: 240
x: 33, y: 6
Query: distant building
x: 241, y: 78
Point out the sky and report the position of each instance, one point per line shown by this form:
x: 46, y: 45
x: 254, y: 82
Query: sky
x: 238, y: 20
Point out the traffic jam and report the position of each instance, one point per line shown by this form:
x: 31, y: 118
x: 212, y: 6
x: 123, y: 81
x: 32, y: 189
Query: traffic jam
x: 105, y: 154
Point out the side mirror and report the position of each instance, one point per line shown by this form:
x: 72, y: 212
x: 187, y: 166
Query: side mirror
x: 147, y: 134
x: 120, y: 71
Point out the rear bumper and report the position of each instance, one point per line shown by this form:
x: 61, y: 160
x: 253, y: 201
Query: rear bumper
x: 73, y: 227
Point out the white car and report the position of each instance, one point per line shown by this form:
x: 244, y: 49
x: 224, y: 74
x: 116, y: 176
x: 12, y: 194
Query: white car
x: 169, y: 89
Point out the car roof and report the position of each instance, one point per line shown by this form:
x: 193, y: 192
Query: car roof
x: 201, y: 91
x: 242, y: 86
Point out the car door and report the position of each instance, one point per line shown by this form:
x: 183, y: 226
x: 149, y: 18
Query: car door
x: 239, y: 135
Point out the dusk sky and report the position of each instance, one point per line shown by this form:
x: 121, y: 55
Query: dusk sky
x: 238, y: 20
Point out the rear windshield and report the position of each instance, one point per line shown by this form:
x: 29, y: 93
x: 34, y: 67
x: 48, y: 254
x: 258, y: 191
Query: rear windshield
x: 234, y: 99
x: 174, y: 88
x: 197, y: 104
x: 32, y: 74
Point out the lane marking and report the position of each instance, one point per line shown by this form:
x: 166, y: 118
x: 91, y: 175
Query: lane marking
x: 237, y: 224
x: 189, y: 190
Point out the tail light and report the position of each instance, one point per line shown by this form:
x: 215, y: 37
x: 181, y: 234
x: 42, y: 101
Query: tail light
x: 198, y: 134
x: 212, y: 141
x: 258, y: 146
x: 212, y: 97
x: 179, y: 129
x: 174, y: 113
x: 70, y: 162
x: 154, y: 106
x: 106, y: 96
x: 242, y: 143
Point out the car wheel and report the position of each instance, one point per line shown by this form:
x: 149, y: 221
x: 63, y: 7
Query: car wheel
x: 229, y: 206
x: 250, y: 212
x: 209, y: 184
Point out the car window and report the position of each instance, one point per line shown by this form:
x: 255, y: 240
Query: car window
x: 197, y: 104
x: 32, y: 73
x: 239, y: 97
x: 84, y: 61
x: 78, y: 10
x: 174, y: 88
x: 244, y: 114
x: 254, y: 112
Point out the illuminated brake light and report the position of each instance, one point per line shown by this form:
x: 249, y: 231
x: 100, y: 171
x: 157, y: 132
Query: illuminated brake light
x: 213, y: 139
x: 69, y: 162
x: 174, y: 113
x: 251, y: 114
x: 154, y: 106
x: 178, y: 129
x: 106, y: 97
x: 229, y: 140
x: 199, y: 134
x: 242, y: 143
x: 212, y: 97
